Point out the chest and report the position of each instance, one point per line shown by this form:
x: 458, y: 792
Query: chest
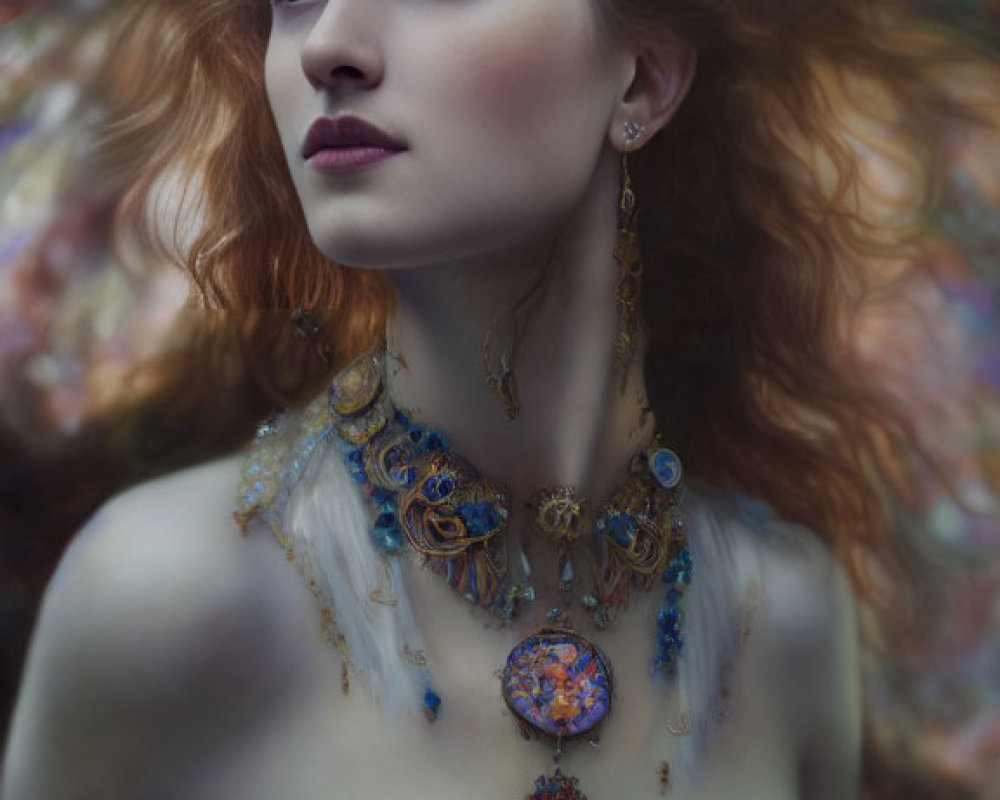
x: 327, y: 747
x: 320, y: 743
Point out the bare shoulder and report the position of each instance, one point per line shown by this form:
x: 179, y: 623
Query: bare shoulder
x: 785, y: 569
x: 155, y: 624
x: 154, y: 564
x: 808, y: 596
x: 803, y: 643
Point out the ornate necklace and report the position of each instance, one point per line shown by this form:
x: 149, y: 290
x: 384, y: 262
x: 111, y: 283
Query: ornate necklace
x: 557, y: 683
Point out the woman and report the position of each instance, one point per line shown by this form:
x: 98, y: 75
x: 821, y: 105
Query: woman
x: 489, y: 166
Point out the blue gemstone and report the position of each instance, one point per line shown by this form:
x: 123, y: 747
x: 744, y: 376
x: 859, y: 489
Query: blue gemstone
x: 401, y: 476
x: 386, y: 520
x: 666, y: 468
x: 387, y: 540
x: 432, y: 488
x: 361, y: 476
x: 621, y: 528
x: 432, y: 701
x: 480, y: 518
x: 416, y: 433
x: 401, y: 418
x: 435, y: 441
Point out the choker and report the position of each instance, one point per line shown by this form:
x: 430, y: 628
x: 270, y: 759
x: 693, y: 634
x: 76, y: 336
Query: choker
x: 556, y: 682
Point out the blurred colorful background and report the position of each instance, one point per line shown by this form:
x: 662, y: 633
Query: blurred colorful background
x: 77, y: 319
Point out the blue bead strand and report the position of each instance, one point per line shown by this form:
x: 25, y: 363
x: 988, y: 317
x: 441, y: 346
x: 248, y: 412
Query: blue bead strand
x: 669, y: 622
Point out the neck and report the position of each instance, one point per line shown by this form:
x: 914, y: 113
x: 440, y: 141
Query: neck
x: 575, y: 425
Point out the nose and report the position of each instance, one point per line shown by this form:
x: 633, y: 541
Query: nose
x: 342, y: 49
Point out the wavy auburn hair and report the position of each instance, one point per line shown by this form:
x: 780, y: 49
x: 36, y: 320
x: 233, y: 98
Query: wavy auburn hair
x: 788, y: 191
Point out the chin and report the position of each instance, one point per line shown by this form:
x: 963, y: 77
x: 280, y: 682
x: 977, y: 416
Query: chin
x: 412, y: 244
x: 365, y: 249
x: 357, y: 249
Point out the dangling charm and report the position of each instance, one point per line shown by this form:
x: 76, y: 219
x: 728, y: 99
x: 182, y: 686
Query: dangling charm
x: 629, y: 262
x: 501, y: 378
x: 557, y: 787
x: 504, y: 385
x: 559, y: 686
x: 663, y: 773
x: 557, y: 514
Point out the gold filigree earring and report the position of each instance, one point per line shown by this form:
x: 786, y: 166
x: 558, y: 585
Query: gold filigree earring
x: 628, y: 260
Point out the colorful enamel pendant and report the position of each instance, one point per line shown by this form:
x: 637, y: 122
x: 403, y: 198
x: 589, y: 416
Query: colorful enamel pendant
x: 559, y: 686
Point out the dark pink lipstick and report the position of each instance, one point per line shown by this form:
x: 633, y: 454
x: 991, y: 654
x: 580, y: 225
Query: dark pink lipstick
x: 338, y: 144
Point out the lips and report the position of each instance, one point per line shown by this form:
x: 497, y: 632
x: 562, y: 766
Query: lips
x: 341, y: 133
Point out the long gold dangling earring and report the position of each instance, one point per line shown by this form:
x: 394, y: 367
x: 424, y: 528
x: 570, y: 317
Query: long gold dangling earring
x: 629, y: 262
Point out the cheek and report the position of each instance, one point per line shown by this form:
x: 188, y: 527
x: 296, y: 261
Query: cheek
x: 511, y: 83
x: 528, y: 74
x: 282, y: 74
x: 512, y: 116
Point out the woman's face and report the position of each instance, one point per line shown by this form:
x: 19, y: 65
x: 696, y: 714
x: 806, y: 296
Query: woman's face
x: 501, y: 109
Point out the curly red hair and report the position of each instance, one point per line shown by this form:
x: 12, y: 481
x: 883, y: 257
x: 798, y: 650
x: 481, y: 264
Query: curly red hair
x: 763, y: 229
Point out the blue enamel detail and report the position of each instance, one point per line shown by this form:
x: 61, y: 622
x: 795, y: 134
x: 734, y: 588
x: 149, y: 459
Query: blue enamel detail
x: 435, y: 441
x: 669, y: 621
x: 480, y: 518
x: 438, y: 487
x: 666, y: 468
x: 432, y: 702
x: 621, y: 528
x: 387, y: 540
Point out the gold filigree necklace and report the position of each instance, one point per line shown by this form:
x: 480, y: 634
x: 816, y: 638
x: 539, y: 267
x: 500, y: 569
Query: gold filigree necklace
x: 557, y: 683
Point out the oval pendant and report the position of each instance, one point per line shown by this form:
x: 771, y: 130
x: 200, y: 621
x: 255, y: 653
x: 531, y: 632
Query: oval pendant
x: 558, y: 684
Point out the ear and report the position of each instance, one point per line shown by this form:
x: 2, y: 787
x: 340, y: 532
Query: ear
x: 658, y: 78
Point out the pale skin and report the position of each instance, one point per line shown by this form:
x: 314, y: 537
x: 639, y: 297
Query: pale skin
x: 174, y: 658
